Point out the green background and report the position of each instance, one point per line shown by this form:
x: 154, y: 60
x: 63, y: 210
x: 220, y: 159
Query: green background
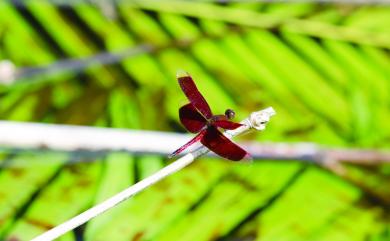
x: 325, y: 68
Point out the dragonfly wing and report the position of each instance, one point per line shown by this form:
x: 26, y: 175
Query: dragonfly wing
x: 192, y: 141
x: 192, y: 120
x: 194, y: 96
x: 221, y: 145
x: 228, y: 125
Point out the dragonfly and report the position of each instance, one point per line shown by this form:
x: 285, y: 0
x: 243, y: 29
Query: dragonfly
x: 197, y: 117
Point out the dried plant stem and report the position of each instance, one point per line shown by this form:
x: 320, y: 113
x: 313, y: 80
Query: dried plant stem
x: 88, y: 143
x: 115, y: 200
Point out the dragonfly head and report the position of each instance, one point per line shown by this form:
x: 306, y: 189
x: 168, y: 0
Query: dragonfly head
x: 229, y: 114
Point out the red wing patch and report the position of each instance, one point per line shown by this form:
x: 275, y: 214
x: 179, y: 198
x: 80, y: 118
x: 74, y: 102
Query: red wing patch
x: 192, y: 120
x: 221, y: 145
x: 194, y: 96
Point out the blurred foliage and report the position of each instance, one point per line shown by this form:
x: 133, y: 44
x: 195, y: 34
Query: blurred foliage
x: 325, y: 68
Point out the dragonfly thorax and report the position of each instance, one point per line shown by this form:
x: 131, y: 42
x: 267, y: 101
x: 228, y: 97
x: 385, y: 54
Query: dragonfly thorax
x: 229, y: 114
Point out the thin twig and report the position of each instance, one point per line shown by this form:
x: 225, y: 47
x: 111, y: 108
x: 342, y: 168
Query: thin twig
x: 89, y: 143
x: 79, y: 64
x: 311, y: 152
x: 257, y: 120
x: 115, y: 200
x: 76, y: 138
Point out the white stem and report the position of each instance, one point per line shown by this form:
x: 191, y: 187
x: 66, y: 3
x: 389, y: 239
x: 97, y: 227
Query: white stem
x: 74, y: 138
x: 84, y: 217
x: 115, y: 200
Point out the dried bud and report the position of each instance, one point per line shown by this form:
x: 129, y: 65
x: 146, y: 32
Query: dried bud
x: 259, y: 119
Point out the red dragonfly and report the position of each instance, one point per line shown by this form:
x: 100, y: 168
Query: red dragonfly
x: 197, y: 117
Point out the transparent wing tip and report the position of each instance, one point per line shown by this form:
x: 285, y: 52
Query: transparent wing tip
x: 247, y: 159
x: 181, y: 73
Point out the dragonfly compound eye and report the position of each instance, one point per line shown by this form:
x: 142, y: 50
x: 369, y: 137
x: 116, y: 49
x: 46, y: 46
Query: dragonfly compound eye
x: 229, y: 114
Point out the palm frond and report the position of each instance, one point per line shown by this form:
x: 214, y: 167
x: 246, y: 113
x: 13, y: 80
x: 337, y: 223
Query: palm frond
x: 324, y: 68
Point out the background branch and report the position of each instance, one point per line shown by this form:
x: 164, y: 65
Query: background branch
x: 90, y: 142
